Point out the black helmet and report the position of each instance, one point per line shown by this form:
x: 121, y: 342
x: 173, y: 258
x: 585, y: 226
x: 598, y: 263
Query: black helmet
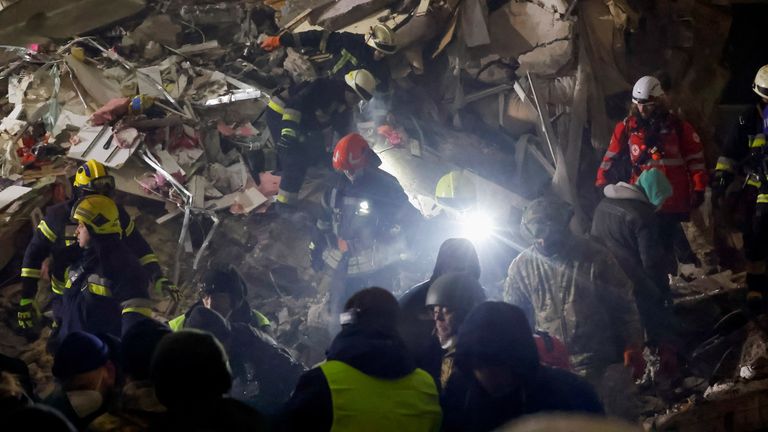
x: 226, y: 281
x: 458, y: 291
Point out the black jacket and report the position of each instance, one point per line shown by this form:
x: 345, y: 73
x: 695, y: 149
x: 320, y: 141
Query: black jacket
x: 547, y: 389
x: 224, y: 415
x: 496, y: 333
x: 49, y: 239
x: 373, y: 353
x: 625, y: 221
x: 358, y: 54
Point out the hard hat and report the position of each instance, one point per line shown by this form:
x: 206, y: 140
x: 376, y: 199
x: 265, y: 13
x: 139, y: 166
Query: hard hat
x: 351, y: 153
x: 646, y: 89
x: 225, y: 282
x: 760, y: 84
x: 99, y: 213
x: 92, y: 176
x: 456, y: 190
x: 362, y: 82
x: 382, y: 39
x: 458, y: 291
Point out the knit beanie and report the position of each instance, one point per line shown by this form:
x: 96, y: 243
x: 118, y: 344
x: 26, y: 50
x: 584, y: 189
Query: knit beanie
x: 190, y: 368
x: 79, y: 352
x: 655, y: 185
x: 139, y: 344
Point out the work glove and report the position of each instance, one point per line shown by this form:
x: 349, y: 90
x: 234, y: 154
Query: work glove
x: 697, y: 199
x: 633, y: 359
x: 270, y: 43
x: 28, y: 314
x: 721, y: 180
x: 163, y: 286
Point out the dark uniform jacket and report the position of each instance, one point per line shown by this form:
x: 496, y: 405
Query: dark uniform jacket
x: 50, y: 238
x: 348, y: 52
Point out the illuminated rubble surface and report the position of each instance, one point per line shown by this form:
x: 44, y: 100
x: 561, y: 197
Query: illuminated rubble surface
x: 454, y: 107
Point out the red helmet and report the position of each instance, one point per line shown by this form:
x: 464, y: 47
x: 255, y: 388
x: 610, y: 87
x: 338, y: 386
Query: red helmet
x: 351, y: 153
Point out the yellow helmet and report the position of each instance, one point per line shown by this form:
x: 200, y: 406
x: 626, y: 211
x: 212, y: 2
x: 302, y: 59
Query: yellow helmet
x: 99, y: 213
x: 92, y: 176
x: 456, y: 190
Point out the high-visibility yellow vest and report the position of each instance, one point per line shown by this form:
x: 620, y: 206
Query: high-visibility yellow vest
x: 365, y: 403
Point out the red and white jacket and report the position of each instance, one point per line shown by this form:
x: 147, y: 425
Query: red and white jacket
x: 682, y: 159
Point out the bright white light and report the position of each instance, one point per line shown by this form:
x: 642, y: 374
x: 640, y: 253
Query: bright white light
x: 476, y: 226
x: 364, y: 208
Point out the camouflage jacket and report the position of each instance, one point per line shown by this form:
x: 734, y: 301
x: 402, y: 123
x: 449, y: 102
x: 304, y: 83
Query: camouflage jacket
x: 580, y: 296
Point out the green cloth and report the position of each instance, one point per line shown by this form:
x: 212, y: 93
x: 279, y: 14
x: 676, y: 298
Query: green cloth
x: 655, y: 185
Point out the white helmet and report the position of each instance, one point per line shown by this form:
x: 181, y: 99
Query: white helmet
x: 645, y: 89
x: 362, y: 82
x: 382, y: 39
x: 760, y: 85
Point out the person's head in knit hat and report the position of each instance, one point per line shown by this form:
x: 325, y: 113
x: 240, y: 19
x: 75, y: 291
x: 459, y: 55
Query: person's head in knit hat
x: 83, y: 363
x: 138, y: 346
x: 190, y: 368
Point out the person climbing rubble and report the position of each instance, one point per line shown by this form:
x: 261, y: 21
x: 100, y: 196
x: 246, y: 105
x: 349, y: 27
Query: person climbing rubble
x: 368, y: 381
x: 225, y: 291
x: 363, y: 235
x: 105, y: 288
x: 338, y: 53
x: 653, y: 137
x: 747, y: 154
x: 625, y: 221
x: 52, y: 236
x: 496, y: 350
x: 263, y: 372
x: 575, y: 290
x: 417, y: 327
x: 302, y: 120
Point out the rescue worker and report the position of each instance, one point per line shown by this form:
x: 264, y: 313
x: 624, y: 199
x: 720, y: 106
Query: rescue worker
x: 497, y: 352
x: 417, y: 326
x: 263, y: 372
x: 368, y: 381
x: 653, y: 137
x: 55, y: 232
x: 302, y: 120
x: 575, y: 290
x: 338, y: 53
x: 363, y: 234
x: 625, y: 220
x: 746, y: 153
x: 191, y: 375
x: 450, y: 298
x: 106, y: 285
x: 225, y: 291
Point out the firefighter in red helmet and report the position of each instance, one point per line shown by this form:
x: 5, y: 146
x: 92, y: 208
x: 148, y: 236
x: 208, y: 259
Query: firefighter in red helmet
x: 362, y: 231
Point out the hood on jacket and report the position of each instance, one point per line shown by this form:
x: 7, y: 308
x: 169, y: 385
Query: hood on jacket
x: 497, y: 334
x: 655, y: 185
x: 456, y: 255
x: 622, y: 190
x: 373, y: 352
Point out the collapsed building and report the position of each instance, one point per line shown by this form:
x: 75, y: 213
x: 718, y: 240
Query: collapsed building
x: 520, y: 95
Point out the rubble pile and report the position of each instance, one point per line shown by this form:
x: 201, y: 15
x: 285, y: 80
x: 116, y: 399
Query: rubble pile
x: 171, y: 96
